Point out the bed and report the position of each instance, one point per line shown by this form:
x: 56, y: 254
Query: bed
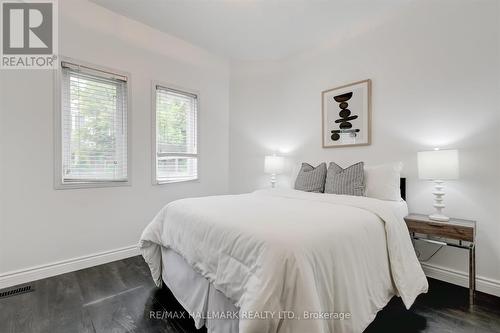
x: 282, y: 260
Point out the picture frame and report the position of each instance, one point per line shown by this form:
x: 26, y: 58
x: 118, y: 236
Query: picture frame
x: 346, y: 115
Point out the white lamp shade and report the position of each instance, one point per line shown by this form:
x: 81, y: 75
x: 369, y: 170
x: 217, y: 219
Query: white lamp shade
x: 274, y: 164
x: 438, y: 164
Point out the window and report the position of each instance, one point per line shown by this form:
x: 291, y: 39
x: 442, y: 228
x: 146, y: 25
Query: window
x: 94, y: 126
x: 176, y: 157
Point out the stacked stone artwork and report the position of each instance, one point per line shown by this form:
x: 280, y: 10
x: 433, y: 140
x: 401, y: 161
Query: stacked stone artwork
x: 345, y: 125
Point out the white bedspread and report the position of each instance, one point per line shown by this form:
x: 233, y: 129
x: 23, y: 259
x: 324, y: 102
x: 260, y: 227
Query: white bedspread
x: 280, y: 250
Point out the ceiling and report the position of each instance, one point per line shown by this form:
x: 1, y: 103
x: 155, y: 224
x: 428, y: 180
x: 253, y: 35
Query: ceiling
x: 253, y: 29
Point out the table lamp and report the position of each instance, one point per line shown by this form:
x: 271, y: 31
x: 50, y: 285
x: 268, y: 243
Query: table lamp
x: 438, y: 165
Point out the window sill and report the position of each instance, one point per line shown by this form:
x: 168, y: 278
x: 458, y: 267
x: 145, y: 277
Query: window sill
x: 82, y: 185
x: 166, y: 182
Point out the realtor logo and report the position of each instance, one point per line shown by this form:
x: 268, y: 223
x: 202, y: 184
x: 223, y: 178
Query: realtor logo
x: 29, y: 36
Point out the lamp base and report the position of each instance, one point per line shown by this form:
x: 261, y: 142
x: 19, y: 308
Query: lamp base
x: 439, y: 217
x: 438, y: 202
x: 273, y: 180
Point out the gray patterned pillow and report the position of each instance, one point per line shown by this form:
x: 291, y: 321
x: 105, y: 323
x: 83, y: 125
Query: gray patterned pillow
x: 349, y: 181
x: 311, y: 179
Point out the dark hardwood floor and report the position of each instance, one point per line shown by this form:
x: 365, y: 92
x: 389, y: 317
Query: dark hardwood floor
x: 119, y: 296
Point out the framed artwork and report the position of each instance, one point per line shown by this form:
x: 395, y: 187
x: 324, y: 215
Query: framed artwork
x: 347, y: 115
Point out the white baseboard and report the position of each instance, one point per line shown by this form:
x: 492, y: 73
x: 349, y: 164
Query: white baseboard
x: 485, y: 285
x: 13, y: 278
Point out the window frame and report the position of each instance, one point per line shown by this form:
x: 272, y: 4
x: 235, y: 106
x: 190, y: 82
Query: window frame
x: 59, y: 183
x: 154, y: 148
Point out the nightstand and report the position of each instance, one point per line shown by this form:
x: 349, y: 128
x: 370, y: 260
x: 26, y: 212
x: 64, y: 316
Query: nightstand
x: 456, y: 232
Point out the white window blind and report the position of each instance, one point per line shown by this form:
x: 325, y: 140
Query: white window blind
x: 94, y: 125
x: 176, y: 135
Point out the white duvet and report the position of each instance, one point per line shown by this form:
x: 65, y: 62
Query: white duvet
x: 285, y: 256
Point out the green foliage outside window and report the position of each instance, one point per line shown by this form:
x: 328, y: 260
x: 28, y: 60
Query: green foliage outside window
x: 171, y: 118
x: 93, y: 133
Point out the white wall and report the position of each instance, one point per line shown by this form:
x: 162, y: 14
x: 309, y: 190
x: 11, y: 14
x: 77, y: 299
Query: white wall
x: 435, y: 68
x: 41, y: 225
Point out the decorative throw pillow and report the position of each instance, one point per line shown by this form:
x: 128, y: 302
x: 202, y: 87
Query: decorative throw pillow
x: 311, y: 179
x: 348, y: 181
x: 382, y: 181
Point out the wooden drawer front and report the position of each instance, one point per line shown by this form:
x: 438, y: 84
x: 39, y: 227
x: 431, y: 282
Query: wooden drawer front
x: 442, y: 230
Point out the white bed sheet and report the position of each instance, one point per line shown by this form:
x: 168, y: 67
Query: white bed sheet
x: 199, y: 297
x: 283, y: 250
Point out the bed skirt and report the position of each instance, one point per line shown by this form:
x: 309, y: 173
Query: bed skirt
x: 208, y: 306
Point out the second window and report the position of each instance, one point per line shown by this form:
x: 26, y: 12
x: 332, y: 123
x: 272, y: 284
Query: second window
x: 176, y: 156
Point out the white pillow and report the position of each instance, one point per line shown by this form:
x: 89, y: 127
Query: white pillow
x: 382, y: 181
